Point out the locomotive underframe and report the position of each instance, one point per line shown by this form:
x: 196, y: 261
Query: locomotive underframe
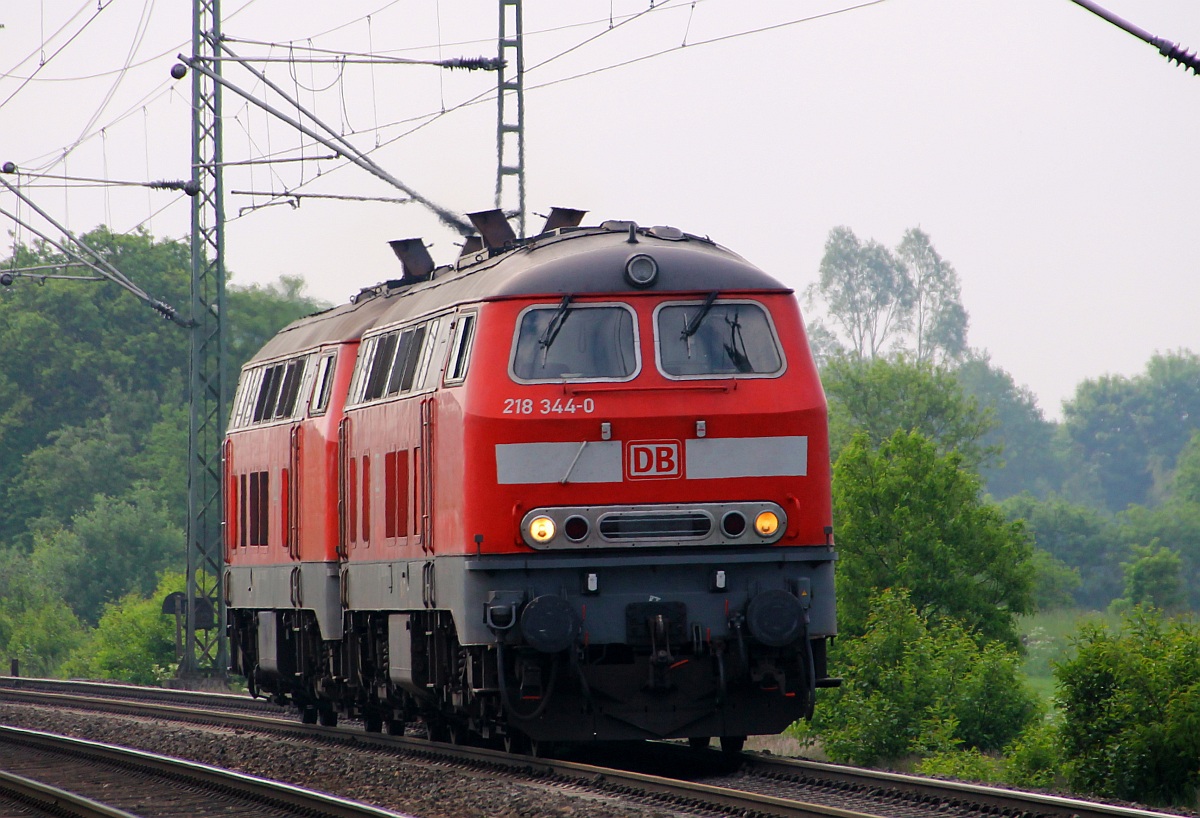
x: 658, y: 650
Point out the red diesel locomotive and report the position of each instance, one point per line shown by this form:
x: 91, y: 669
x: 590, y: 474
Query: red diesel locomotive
x: 569, y: 488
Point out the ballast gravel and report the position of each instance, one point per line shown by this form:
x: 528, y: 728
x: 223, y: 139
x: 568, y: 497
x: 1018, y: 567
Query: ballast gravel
x: 415, y: 787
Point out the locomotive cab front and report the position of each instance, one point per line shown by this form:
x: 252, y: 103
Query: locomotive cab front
x: 654, y: 541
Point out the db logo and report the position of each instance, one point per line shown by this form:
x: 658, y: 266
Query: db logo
x: 653, y: 460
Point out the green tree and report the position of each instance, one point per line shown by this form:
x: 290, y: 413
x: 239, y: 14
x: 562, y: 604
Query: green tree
x: 910, y: 517
x: 133, y: 642
x: 1081, y: 537
x: 881, y: 396
x: 867, y: 291
x: 915, y: 687
x: 1130, y: 704
x: 1054, y: 581
x: 43, y: 633
x: 1153, y: 578
x: 1185, y: 487
x: 1034, y: 759
x: 1174, y: 525
x: 89, y: 372
x: 71, y: 348
x: 59, y: 480
x: 114, y: 548
x: 1131, y: 430
x: 939, y: 320
x: 161, y: 465
x: 36, y: 627
x: 80, y: 334
x: 1033, y: 456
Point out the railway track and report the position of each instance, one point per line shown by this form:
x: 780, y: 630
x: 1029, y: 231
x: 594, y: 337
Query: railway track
x: 661, y: 776
x: 60, y: 775
x: 26, y: 797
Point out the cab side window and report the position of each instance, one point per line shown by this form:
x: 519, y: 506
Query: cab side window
x: 322, y: 386
x: 268, y: 393
x: 394, y: 363
x: 460, y: 348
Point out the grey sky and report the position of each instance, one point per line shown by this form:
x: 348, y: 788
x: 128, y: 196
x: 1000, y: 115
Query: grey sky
x: 1051, y: 157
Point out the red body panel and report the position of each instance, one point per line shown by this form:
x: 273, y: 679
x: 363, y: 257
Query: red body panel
x: 304, y: 526
x: 650, y: 407
x: 468, y: 421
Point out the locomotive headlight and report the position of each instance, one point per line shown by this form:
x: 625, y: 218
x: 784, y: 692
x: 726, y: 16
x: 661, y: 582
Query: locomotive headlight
x: 641, y: 270
x: 766, y: 523
x: 541, y: 529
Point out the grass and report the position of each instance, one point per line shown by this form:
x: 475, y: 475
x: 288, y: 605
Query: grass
x: 1047, y: 639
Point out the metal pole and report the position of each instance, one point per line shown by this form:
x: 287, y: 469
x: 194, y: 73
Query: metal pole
x: 510, y: 113
x: 205, y: 651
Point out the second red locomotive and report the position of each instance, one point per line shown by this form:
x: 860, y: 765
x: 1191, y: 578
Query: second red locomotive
x: 570, y: 488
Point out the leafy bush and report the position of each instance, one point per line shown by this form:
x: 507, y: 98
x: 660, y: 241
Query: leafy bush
x: 1034, y: 759
x: 915, y: 690
x: 39, y: 634
x: 964, y: 765
x: 1130, y: 702
x: 134, y: 642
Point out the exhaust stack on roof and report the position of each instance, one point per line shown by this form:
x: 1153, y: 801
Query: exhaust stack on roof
x: 494, y: 228
x: 563, y: 217
x: 418, y: 264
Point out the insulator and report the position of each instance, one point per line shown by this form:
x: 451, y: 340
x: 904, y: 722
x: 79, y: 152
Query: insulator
x: 1178, y: 54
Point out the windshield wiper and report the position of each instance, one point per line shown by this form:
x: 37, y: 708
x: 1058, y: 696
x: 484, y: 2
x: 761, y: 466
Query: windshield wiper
x: 693, y: 324
x: 739, y: 358
x: 556, y: 322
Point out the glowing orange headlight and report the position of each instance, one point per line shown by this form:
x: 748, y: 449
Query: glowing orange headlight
x: 766, y: 523
x: 541, y: 529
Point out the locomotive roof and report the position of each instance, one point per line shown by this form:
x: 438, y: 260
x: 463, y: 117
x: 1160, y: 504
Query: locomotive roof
x: 570, y: 260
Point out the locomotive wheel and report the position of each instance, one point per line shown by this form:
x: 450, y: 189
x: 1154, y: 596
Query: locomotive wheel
x: 327, y: 718
x: 699, y: 742
x: 395, y: 727
x: 372, y: 723
x: 308, y: 715
x: 732, y: 745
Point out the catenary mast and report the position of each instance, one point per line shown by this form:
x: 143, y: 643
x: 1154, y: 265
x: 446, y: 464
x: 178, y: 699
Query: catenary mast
x: 205, y: 650
x: 510, y: 114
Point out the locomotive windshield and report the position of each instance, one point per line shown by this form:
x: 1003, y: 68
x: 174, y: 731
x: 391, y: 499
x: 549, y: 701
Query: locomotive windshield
x: 716, y: 338
x: 575, y: 341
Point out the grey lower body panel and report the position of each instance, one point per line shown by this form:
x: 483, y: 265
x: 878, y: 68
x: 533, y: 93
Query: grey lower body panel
x: 467, y: 585
x: 311, y: 586
x: 711, y: 584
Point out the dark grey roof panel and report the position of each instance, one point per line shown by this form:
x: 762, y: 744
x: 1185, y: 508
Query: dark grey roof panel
x: 347, y: 322
x: 600, y: 268
x: 578, y: 261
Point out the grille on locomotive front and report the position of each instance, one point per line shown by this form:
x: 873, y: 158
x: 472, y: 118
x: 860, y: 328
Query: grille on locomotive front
x: 676, y: 526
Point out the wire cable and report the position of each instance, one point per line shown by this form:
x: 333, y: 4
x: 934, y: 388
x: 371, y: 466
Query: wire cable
x: 46, y: 60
